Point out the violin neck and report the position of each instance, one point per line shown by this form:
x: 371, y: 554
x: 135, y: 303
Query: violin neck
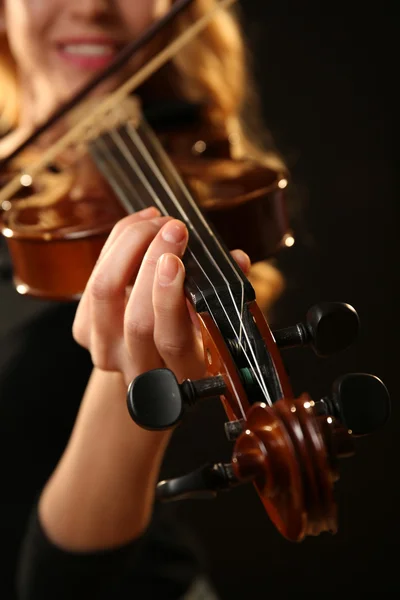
x: 142, y: 175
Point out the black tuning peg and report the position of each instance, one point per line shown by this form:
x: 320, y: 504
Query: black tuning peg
x: 203, y: 483
x: 156, y: 400
x: 329, y: 328
x: 360, y: 401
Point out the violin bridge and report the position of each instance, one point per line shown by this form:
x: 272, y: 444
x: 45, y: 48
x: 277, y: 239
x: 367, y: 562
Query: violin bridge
x: 127, y: 111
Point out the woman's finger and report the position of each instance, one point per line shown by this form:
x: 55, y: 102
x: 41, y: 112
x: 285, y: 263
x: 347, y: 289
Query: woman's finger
x: 139, y: 314
x: 175, y: 336
x: 82, y: 317
x: 148, y: 213
x: 105, y: 293
x: 242, y: 260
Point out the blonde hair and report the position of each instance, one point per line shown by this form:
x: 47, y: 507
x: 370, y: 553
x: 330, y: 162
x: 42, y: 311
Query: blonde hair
x: 213, y: 64
x: 8, y: 87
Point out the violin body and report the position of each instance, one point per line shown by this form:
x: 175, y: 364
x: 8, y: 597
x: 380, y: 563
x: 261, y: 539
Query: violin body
x: 55, y: 235
x: 56, y: 227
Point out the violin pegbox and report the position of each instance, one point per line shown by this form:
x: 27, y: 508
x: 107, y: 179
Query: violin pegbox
x: 290, y: 448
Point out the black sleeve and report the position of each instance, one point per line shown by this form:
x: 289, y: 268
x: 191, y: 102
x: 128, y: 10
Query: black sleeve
x: 157, y: 565
x: 46, y: 571
x: 43, y: 375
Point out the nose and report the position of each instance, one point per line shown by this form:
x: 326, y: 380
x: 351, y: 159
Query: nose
x: 91, y: 8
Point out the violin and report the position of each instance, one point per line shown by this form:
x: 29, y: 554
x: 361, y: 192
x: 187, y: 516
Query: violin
x: 289, y: 448
x: 58, y: 221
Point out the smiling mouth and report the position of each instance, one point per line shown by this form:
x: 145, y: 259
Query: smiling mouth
x: 89, y: 55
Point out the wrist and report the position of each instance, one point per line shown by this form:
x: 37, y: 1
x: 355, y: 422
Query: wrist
x: 102, y: 492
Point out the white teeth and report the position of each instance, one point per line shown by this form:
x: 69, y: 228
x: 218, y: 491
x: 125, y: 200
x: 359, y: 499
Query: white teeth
x: 89, y: 49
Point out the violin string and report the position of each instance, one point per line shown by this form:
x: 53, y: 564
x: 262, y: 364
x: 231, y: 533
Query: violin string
x: 159, y: 152
x: 120, y: 181
x: 160, y: 205
x: 168, y: 190
x: 156, y: 171
x: 155, y: 199
x: 110, y: 165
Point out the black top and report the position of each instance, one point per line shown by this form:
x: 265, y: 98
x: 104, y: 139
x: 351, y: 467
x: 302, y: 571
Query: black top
x: 43, y: 375
x: 158, y: 565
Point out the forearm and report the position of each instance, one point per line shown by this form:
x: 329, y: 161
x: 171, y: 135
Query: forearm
x: 101, y: 494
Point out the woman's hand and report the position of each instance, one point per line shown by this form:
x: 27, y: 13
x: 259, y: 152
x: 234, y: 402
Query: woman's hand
x: 133, y: 317
x: 151, y: 325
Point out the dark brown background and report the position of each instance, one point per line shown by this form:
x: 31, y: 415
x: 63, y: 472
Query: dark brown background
x: 326, y: 74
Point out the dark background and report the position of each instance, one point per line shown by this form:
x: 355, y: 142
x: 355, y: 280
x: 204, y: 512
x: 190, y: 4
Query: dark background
x: 325, y: 73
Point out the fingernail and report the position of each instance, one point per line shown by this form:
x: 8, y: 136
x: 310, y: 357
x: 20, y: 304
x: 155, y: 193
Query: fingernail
x: 174, y: 232
x: 152, y: 211
x: 167, y: 269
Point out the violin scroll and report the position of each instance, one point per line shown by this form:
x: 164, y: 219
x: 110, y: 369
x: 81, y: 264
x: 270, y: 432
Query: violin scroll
x: 290, y: 451
x: 289, y: 448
